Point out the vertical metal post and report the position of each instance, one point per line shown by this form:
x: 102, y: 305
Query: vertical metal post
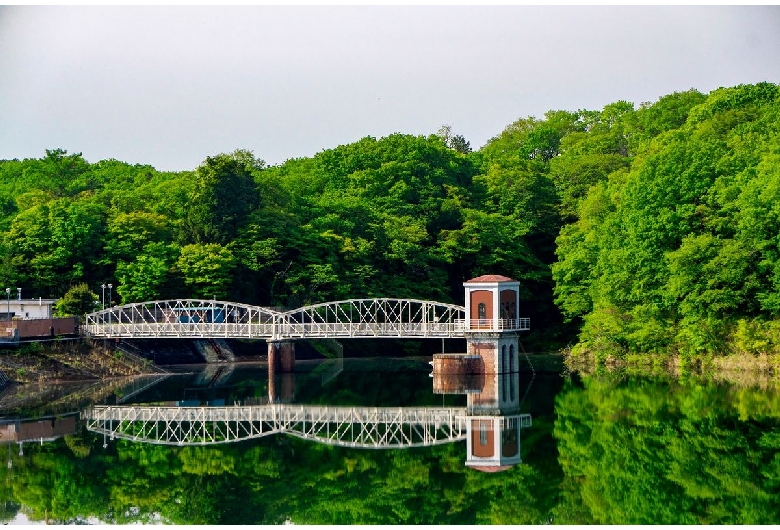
x: 110, y: 304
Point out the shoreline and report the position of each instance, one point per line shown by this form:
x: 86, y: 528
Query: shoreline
x: 83, y: 361
x: 69, y: 362
x: 738, y: 369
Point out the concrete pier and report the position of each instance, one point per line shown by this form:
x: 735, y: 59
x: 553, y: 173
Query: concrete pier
x: 281, y: 356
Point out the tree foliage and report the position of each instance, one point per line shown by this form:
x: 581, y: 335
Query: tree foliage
x: 642, y: 228
x: 675, y: 249
x: 78, y: 300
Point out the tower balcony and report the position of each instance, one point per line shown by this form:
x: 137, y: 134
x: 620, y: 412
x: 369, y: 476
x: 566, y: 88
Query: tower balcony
x: 494, y: 324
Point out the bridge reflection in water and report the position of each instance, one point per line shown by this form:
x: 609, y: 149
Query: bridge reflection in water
x: 367, y: 427
x: 490, y: 423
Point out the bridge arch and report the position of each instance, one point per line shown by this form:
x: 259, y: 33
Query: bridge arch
x: 183, y: 318
x: 374, y: 317
x: 354, y: 318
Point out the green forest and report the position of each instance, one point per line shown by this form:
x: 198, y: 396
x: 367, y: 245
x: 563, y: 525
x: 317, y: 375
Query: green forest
x: 649, y: 228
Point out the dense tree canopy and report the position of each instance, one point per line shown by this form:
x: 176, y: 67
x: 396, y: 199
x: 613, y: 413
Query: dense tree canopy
x: 643, y: 228
x: 680, y: 249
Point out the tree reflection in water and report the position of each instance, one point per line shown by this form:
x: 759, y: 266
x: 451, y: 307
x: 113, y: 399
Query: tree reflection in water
x: 601, y: 450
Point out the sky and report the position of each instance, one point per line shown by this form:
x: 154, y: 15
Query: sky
x: 170, y: 86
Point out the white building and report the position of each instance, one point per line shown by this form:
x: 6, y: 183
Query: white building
x: 29, y: 308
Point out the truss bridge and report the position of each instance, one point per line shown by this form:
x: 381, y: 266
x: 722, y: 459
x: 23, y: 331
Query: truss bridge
x: 356, y: 318
x: 361, y: 427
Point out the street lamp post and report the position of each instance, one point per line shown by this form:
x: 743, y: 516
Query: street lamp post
x: 18, y: 293
x: 103, y: 286
x: 110, y: 304
x: 8, y: 304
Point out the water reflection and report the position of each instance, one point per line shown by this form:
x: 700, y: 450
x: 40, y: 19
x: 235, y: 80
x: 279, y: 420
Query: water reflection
x: 602, y: 450
x: 493, y: 418
x: 44, y: 413
x: 490, y: 423
x: 146, y: 445
x: 663, y: 451
x: 208, y: 406
x: 35, y: 400
x: 19, y: 431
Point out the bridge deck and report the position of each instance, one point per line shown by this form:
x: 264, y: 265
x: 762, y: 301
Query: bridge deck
x: 364, y: 318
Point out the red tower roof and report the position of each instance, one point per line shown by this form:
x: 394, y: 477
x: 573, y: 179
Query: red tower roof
x: 490, y: 278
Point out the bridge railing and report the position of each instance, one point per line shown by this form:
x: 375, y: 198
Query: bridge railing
x: 490, y: 324
x: 369, y: 329
x: 140, y: 330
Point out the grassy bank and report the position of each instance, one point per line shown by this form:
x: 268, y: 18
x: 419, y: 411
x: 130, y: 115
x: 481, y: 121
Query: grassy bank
x: 738, y: 368
x: 67, y: 361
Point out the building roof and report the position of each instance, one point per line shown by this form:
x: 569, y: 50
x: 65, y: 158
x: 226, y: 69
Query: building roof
x: 31, y: 301
x: 490, y: 278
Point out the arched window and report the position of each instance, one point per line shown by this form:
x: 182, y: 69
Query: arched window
x: 483, y: 432
x: 504, y: 370
x: 513, y: 368
x: 512, y: 365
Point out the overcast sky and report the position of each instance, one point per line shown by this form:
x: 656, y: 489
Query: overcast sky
x: 169, y: 86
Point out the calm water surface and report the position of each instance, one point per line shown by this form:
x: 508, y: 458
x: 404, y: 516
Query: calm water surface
x: 607, y: 450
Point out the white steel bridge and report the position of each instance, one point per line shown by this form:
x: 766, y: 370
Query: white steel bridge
x: 365, y: 427
x: 356, y: 318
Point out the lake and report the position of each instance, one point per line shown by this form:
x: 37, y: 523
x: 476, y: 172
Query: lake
x: 605, y: 449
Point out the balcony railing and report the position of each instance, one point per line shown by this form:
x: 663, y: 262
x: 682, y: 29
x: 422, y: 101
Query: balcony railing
x: 498, y: 324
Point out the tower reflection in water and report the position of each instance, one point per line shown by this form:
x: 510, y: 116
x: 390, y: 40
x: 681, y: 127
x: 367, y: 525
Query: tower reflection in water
x: 493, y: 416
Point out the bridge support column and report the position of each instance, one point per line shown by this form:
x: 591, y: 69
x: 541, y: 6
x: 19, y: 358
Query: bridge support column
x: 281, y: 358
x: 284, y: 393
x: 271, y: 383
x: 281, y: 355
x: 288, y: 388
x: 457, y: 373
